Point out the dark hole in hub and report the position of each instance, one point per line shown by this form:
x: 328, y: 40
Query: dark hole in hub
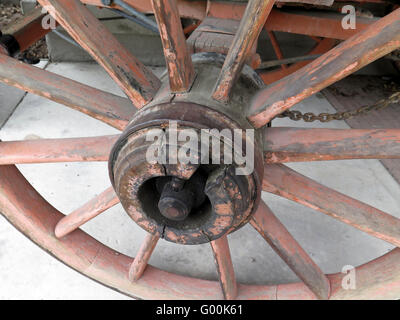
x: 200, y: 207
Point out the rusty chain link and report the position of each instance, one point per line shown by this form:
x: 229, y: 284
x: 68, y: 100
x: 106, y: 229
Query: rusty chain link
x: 327, y: 117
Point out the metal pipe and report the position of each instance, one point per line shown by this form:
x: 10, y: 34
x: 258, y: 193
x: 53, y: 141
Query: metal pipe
x: 274, y: 63
x: 134, y: 19
x: 66, y: 38
x: 152, y: 25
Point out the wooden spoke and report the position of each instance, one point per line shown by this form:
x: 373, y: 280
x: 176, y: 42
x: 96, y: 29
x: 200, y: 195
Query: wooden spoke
x: 250, y: 27
x: 56, y: 150
x: 225, y: 269
x: 88, y: 211
x: 139, y: 264
x: 279, y: 238
x: 270, y: 76
x: 179, y: 63
x: 285, y: 182
x: 374, y: 42
x: 139, y: 83
x: 299, y: 144
x: 106, y: 107
x: 277, y: 48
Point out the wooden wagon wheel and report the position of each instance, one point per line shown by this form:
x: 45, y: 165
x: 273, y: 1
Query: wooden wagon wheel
x: 232, y: 200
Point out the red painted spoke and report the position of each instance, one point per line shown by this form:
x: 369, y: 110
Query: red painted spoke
x: 298, y: 144
x: 56, y: 150
x: 279, y: 238
x: 250, y: 27
x: 139, y: 83
x: 374, y: 42
x: 270, y: 76
x: 88, y: 211
x: 285, y: 182
x: 109, y: 108
x: 277, y: 48
x: 225, y: 269
x: 179, y: 63
x: 142, y: 258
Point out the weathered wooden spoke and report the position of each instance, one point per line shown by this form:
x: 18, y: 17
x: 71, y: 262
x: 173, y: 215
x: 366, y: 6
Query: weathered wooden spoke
x: 106, y: 107
x: 179, y: 63
x: 279, y: 238
x: 250, y: 27
x: 299, y: 144
x: 88, y: 211
x: 277, y: 48
x: 56, y: 150
x: 142, y: 258
x: 139, y: 83
x: 374, y: 42
x: 285, y: 182
x: 271, y: 76
x: 223, y: 262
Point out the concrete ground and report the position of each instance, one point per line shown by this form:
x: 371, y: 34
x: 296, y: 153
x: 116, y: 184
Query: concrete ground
x: 27, y: 272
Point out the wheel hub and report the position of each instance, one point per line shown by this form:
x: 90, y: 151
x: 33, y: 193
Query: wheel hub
x: 178, y: 167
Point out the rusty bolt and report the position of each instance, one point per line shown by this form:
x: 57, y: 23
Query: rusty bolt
x: 176, y: 201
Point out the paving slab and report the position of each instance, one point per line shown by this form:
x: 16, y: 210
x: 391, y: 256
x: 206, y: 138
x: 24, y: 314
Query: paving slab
x: 27, y: 272
x: 357, y: 91
x: 10, y: 97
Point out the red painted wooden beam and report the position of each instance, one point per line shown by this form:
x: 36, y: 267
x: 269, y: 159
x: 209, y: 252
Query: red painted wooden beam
x: 138, y: 82
x: 56, y: 150
x: 287, y: 183
x: 88, y: 211
x: 224, y: 265
x: 250, y: 27
x: 279, y: 238
x: 109, y: 108
x: 299, y: 144
x: 179, y: 63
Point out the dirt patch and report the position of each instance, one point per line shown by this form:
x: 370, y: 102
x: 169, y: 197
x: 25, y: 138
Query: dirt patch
x: 8, y: 14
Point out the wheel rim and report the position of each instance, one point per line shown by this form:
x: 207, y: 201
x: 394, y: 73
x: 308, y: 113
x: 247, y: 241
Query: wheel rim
x: 93, y: 259
x: 33, y: 216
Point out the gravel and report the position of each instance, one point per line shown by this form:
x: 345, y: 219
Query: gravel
x: 10, y: 13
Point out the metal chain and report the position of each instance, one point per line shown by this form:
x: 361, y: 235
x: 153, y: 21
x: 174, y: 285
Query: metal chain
x: 327, y: 117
